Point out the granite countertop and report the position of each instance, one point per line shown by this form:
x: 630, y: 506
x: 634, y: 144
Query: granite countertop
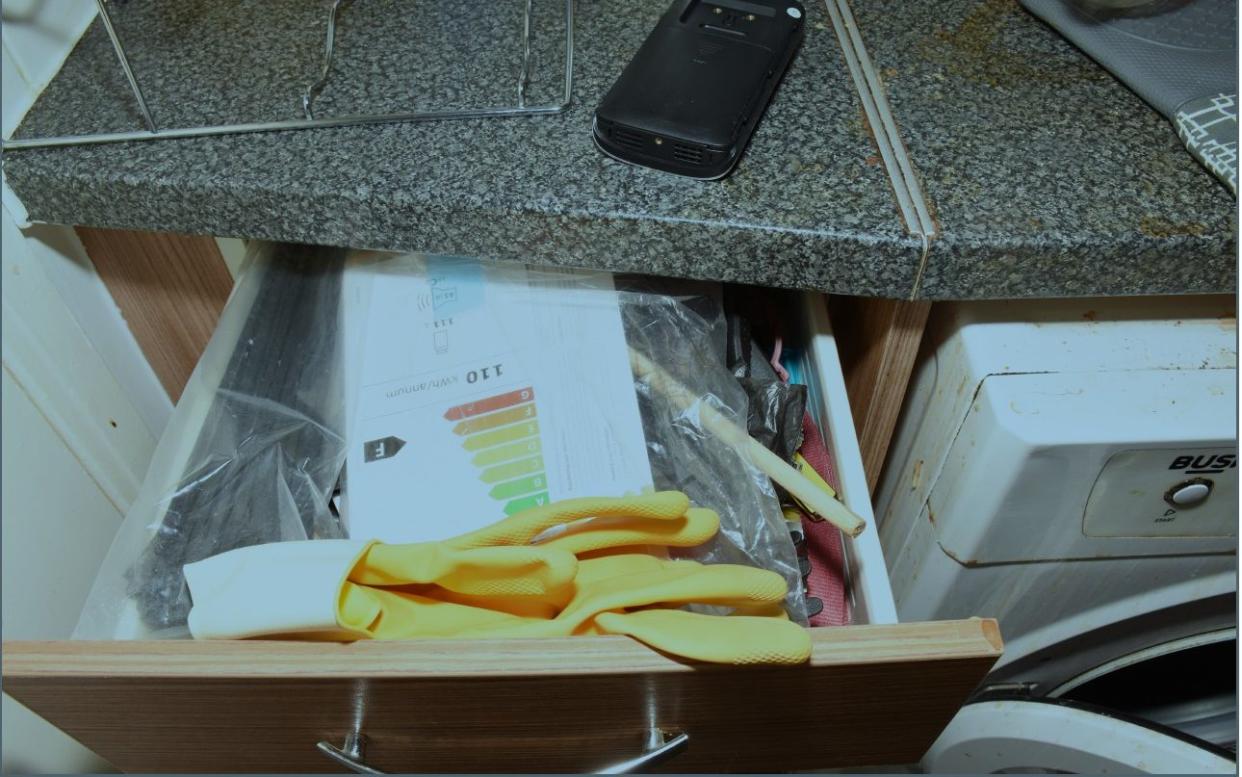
x: 1044, y: 175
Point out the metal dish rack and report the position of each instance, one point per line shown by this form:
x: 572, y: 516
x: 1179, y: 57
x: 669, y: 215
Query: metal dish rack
x: 308, y: 120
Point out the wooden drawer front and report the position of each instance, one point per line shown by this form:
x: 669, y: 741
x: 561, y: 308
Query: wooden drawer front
x: 871, y: 695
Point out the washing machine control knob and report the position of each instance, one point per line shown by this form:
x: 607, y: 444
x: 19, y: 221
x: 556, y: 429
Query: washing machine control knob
x: 1190, y: 493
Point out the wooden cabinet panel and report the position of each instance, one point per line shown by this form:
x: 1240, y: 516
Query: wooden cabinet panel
x: 879, y: 340
x: 170, y: 288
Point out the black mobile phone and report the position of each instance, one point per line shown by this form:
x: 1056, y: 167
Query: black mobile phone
x: 690, y: 99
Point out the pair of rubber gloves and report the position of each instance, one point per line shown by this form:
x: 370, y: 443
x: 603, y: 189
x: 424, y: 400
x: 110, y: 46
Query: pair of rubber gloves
x: 580, y: 566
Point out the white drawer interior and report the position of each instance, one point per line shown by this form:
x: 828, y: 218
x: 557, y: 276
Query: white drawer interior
x: 868, y: 586
x: 871, y: 594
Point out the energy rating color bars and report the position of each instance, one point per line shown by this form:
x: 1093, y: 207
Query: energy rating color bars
x: 502, y: 432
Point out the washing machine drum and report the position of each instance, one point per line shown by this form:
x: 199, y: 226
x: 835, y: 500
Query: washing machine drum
x: 1168, y: 711
x: 1053, y: 736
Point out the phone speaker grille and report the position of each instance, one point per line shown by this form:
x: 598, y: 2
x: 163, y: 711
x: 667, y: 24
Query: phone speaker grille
x: 687, y: 154
x: 628, y: 138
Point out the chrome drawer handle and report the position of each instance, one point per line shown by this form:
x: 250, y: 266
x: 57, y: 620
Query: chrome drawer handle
x: 661, y: 745
x: 349, y: 756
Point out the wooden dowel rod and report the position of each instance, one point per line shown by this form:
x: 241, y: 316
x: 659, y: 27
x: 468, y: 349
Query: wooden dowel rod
x: 814, y: 498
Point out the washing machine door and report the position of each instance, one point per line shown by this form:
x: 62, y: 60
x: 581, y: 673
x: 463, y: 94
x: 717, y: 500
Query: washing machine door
x: 1057, y: 736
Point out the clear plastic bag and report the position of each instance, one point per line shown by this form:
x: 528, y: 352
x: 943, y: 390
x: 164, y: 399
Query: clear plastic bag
x: 684, y: 335
x: 256, y: 445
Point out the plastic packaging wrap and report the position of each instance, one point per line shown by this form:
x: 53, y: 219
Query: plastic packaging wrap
x: 251, y: 453
x: 674, y: 333
x: 256, y: 445
x: 776, y: 406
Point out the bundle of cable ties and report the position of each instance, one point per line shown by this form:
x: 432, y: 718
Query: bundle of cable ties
x: 575, y: 567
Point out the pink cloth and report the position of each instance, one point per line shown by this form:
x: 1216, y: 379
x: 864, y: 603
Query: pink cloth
x: 824, y: 543
x: 775, y: 361
x: 815, y: 450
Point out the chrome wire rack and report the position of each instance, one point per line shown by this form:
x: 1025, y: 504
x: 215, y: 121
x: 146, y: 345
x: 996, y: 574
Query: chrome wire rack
x: 520, y: 107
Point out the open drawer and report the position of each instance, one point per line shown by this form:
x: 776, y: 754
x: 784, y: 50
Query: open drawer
x: 874, y: 693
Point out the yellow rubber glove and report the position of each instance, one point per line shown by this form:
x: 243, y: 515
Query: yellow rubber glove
x: 741, y: 639
x: 381, y: 613
x: 581, y: 576
x: 608, y: 588
x: 478, y: 571
x: 615, y: 594
x: 297, y: 587
x: 410, y: 612
x: 693, y: 528
x: 675, y: 583
x: 545, y: 608
x: 586, y: 527
x: 524, y: 527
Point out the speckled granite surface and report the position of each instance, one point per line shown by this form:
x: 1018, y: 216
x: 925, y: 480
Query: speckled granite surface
x: 809, y: 206
x: 1046, y: 176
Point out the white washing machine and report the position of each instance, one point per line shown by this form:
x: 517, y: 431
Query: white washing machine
x: 1071, y: 469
